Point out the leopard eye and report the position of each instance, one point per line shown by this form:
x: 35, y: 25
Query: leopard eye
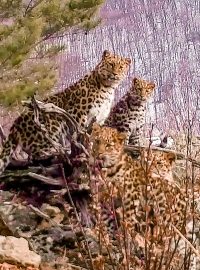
x: 110, y: 144
x: 159, y: 163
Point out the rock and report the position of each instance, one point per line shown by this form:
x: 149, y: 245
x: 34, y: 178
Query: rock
x: 60, y: 236
x: 16, y: 216
x: 16, y: 250
x: 4, y: 229
x: 51, y: 211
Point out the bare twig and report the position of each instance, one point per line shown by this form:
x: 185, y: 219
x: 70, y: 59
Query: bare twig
x: 186, y: 241
x: 28, y: 7
x: 179, y: 155
x: 2, y: 134
x: 48, y: 180
x: 43, y: 215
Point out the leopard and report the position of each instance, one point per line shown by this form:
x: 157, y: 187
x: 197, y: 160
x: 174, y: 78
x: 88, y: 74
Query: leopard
x: 152, y: 203
x: 128, y: 115
x: 88, y: 98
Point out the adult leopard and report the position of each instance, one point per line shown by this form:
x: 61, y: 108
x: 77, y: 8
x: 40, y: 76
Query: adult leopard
x: 90, y: 97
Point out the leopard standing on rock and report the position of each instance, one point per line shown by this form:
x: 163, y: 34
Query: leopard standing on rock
x: 128, y: 115
x: 90, y: 97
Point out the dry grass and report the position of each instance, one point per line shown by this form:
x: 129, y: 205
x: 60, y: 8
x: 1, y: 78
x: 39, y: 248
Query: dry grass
x: 168, y: 248
x: 138, y: 251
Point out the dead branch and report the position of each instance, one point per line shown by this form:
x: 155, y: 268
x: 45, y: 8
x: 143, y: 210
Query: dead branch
x: 24, y: 172
x: 79, y: 145
x: 47, y: 180
x: 36, y: 110
x: 179, y: 155
x: 52, y: 108
x: 38, y: 106
x: 18, y: 163
x: 43, y: 215
x: 10, y: 175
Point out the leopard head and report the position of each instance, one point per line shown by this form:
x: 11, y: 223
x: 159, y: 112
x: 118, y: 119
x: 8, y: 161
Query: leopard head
x: 112, y: 68
x: 107, y: 144
x: 159, y: 163
x: 142, y: 88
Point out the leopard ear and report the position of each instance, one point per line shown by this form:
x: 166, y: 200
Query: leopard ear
x: 128, y: 61
x: 106, y: 54
x: 122, y: 136
x: 135, y: 81
x: 96, y: 127
x: 151, y: 85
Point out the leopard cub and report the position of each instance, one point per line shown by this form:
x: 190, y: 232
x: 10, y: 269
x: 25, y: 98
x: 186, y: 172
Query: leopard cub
x: 128, y: 115
x: 149, y: 196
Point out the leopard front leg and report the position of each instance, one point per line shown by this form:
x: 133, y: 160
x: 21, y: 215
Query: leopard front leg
x: 136, y: 135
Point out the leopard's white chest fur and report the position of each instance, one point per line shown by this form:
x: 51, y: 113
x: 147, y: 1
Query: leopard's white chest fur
x: 101, y: 110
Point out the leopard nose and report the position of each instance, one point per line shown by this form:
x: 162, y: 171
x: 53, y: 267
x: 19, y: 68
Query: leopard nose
x: 101, y: 156
x: 111, y: 76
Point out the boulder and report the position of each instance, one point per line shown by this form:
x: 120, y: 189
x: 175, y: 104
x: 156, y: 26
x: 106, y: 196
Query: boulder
x: 16, y: 250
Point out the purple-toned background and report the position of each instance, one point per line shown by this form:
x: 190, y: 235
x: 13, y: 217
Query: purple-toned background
x: 163, y: 39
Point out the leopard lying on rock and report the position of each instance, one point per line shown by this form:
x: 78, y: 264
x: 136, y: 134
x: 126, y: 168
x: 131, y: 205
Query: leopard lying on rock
x: 128, y: 115
x: 90, y: 97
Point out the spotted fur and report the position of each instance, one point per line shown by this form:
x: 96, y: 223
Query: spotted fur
x: 145, y: 186
x: 152, y: 204
x: 90, y: 97
x: 128, y: 115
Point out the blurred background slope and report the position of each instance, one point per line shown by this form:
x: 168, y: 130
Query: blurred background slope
x: 163, y: 38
